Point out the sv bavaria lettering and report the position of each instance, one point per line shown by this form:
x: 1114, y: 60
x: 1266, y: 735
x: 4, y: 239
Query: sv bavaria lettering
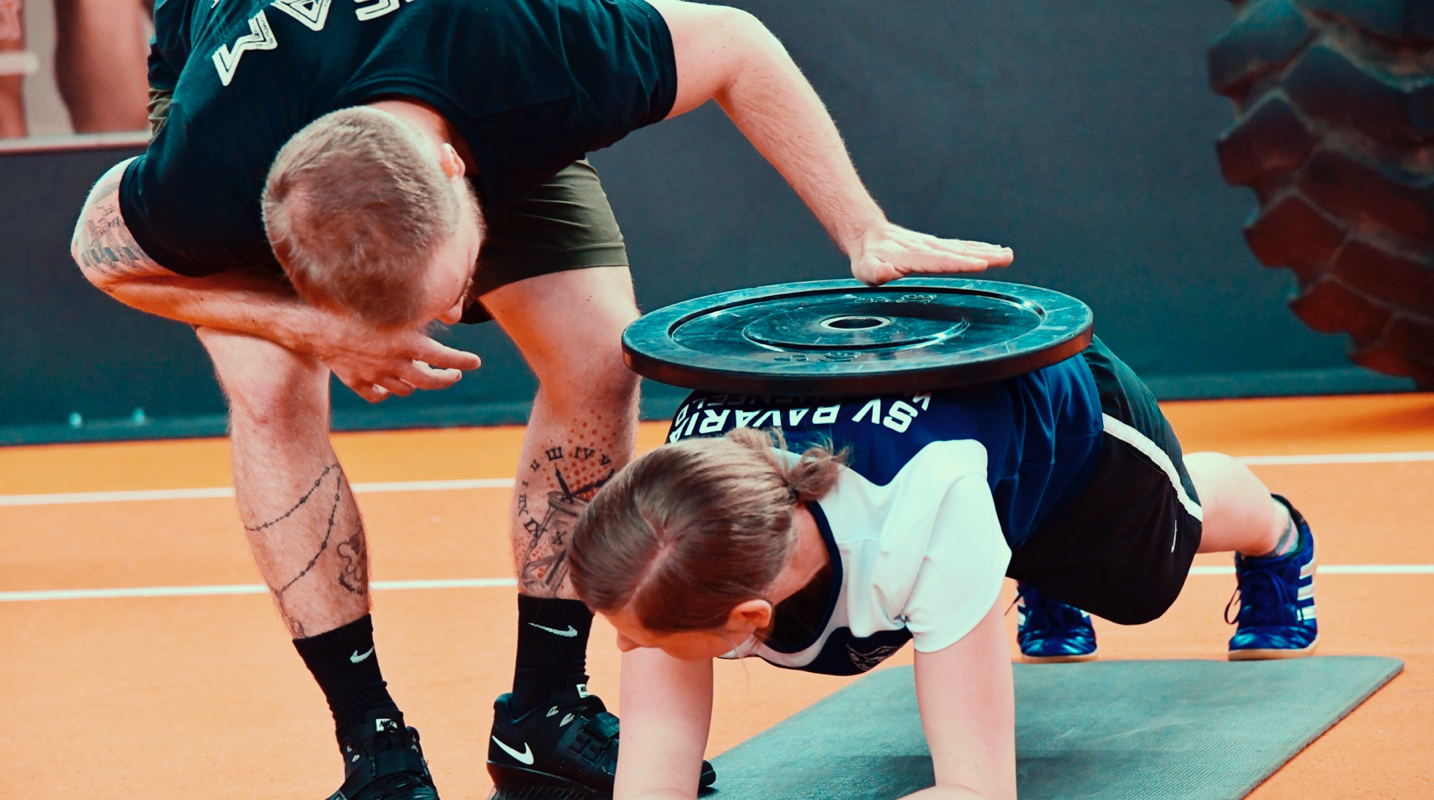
x: 711, y: 416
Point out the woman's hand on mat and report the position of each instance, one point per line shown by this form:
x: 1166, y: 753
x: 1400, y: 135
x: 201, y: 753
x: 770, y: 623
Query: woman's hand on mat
x: 947, y: 793
x: 376, y: 364
x: 886, y: 252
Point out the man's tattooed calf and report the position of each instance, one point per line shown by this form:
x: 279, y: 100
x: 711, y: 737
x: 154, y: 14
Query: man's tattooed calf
x: 354, y: 553
x: 549, y: 521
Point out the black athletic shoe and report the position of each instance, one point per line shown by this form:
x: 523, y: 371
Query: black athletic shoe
x: 388, y: 765
x: 568, y: 743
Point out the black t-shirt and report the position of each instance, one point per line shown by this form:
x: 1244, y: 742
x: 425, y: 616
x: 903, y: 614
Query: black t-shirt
x: 531, y: 85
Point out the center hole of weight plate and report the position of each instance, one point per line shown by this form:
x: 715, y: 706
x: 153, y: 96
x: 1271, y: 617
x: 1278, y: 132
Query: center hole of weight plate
x: 855, y: 323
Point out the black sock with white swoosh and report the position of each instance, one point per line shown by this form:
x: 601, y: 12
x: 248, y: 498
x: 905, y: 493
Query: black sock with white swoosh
x: 552, y: 649
x: 345, y: 664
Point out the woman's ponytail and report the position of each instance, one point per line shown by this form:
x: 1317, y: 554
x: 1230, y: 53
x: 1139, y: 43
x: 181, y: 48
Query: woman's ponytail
x: 810, y: 478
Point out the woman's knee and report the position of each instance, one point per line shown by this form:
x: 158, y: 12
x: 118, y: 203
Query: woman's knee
x: 1221, y: 480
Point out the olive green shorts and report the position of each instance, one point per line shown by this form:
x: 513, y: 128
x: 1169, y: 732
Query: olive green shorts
x: 566, y: 224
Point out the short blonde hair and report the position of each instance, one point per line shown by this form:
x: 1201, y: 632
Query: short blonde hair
x: 355, y: 210
x: 688, y: 531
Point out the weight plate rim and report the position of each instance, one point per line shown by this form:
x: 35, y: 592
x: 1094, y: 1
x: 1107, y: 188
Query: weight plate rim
x: 686, y: 310
x: 1050, y: 304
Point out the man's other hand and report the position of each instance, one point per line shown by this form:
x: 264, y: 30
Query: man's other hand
x: 376, y: 364
x: 887, y: 252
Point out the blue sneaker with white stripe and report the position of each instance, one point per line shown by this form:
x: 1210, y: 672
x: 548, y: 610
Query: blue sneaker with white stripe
x: 1049, y: 631
x: 1277, y: 607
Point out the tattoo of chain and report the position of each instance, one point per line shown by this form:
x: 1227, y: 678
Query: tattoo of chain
x: 296, y: 628
x: 319, y: 481
x: 544, y: 564
x: 356, y: 562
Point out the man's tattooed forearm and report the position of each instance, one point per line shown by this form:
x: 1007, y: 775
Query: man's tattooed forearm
x: 548, y: 520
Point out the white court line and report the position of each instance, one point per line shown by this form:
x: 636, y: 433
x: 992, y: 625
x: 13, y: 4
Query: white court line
x: 217, y: 591
x: 226, y: 491
x: 498, y: 583
x: 507, y: 483
x: 1340, y: 569
x: 1339, y: 458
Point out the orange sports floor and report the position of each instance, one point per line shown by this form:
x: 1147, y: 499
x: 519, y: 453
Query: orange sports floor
x: 202, y: 695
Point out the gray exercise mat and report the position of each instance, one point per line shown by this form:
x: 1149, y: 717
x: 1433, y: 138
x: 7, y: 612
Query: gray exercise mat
x: 1107, y: 729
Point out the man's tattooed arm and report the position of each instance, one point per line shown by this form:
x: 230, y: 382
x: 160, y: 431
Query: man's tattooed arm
x: 103, y: 246
x: 247, y: 301
x: 552, y: 493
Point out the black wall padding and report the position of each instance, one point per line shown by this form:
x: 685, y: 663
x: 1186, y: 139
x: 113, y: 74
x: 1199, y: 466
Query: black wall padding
x: 1081, y: 134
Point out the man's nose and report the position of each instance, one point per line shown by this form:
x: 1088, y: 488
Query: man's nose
x: 453, y: 315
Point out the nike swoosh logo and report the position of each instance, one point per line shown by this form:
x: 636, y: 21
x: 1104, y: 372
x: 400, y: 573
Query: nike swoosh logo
x: 525, y: 757
x: 569, y: 633
x: 356, y: 658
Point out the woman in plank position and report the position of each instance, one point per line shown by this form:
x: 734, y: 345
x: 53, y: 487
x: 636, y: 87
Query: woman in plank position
x: 898, y: 522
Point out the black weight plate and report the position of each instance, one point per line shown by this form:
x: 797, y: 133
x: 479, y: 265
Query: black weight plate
x: 841, y: 337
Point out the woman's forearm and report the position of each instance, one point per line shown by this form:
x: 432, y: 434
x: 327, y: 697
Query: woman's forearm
x: 666, y: 713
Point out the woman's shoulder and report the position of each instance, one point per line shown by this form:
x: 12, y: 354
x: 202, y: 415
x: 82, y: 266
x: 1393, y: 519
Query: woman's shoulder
x: 897, y: 479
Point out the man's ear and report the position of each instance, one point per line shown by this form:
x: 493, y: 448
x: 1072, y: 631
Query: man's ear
x: 750, y: 615
x: 449, y: 160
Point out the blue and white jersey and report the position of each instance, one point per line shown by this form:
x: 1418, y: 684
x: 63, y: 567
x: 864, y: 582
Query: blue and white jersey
x: 939, y: 489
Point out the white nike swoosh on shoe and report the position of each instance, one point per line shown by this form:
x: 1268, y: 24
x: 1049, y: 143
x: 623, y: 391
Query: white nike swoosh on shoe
x: 569, y: 633
x: 525, y: 757
x: 356, y: 658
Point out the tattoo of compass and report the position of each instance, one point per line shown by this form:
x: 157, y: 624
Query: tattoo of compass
x: 543, y: 575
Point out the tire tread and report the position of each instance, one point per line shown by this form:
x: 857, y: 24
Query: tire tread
x: 1334, y: 132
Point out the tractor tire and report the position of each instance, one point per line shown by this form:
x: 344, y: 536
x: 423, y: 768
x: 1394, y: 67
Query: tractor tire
x: 1335, y: 135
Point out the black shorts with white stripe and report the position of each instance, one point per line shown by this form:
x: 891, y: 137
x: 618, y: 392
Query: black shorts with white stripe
x: 1122, y: 548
